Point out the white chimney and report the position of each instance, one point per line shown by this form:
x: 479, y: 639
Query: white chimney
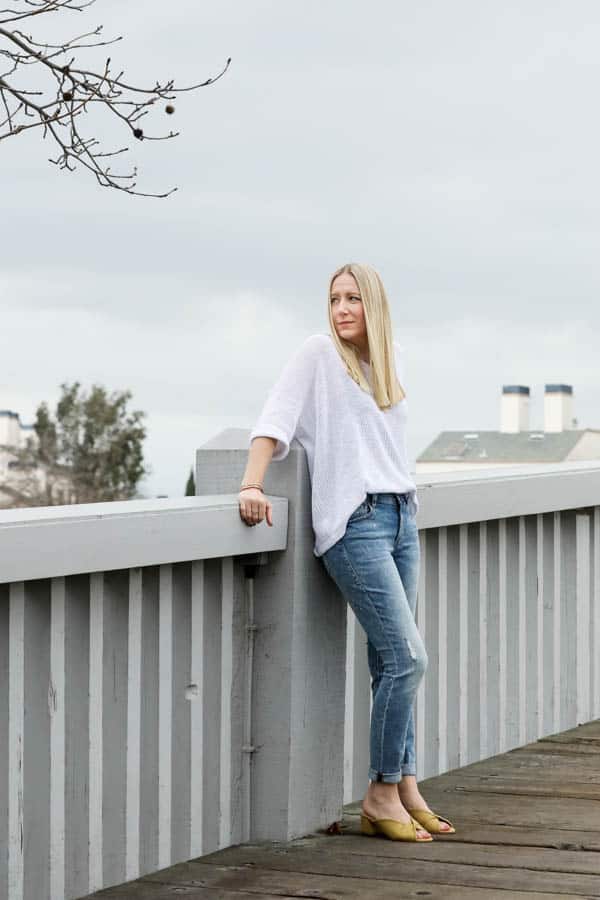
x: 514, y: 409
x: 558, y: 407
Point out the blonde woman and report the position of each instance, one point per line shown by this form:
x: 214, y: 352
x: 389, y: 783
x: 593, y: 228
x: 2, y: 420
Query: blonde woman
x: 340, y: 396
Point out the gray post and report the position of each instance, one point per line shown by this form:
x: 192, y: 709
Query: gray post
x: 299, y: 655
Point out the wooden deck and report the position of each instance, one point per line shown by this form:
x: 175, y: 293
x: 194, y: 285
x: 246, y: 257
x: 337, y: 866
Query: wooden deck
x: 527, y: 823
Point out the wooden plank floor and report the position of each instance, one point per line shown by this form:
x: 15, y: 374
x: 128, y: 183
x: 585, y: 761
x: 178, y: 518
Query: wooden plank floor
x: 527, y: 826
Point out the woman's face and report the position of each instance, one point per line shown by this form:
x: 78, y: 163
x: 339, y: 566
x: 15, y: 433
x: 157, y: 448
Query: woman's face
x: 347, y: 310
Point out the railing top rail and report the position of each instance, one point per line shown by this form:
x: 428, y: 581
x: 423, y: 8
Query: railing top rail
x: 44, y: 542
x: 455, y: 497
x: 113, y: 508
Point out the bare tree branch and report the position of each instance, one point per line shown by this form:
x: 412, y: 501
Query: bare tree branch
x: 75, y: 90
x: 38, y: 7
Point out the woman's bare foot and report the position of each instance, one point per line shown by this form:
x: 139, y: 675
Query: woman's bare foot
x: 382, y: 801
x: 411, y: 797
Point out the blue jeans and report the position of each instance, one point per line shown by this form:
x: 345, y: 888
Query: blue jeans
x: 375, y: 564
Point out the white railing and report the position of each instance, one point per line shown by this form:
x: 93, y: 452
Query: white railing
x: 162, y: 692
x: 124, y: 649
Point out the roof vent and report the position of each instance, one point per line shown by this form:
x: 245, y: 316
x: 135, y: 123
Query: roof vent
x: 472, y: 435
x: 536, y: 436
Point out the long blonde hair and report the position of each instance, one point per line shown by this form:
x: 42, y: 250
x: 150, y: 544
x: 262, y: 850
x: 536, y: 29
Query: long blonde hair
x: 386, y: 388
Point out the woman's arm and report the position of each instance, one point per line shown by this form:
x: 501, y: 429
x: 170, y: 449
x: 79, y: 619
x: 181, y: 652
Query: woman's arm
x: 253, y: 503
x: 259, y: 457
x: 271, y: 436
x: 285, y: 401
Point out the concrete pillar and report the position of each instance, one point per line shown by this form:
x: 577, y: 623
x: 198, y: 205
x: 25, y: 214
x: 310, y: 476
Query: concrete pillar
x: 298, y: 678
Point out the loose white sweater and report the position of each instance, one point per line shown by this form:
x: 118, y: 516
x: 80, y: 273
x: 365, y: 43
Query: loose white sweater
x: 352, y: 447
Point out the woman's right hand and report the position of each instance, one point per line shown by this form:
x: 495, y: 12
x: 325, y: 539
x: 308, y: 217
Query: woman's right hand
x: 254, y: 507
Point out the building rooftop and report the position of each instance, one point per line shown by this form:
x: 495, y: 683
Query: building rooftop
x: 501, y: 446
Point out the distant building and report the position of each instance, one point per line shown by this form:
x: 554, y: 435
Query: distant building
x: 514, y: 443
x: 13, y: 433
x: 12, y: 430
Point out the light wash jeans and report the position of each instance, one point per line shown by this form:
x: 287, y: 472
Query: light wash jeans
x: 375, y: 564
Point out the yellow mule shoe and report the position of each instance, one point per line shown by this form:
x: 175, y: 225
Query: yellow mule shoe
x: 392, y: 828
x: 431, y: 821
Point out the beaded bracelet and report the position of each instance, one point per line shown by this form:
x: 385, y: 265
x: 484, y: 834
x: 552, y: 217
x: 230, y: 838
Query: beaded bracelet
x: 259, y: 486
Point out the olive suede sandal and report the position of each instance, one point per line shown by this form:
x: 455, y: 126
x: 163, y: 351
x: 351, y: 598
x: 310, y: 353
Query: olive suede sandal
x: 392, y: 828
x: 431, y: 821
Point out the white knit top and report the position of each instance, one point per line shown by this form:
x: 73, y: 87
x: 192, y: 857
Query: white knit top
x: 352, y: 447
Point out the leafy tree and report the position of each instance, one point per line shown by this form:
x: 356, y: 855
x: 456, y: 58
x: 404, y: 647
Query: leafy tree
x: 190, y: 488
x: 90, y: 450
x: 65, y: 88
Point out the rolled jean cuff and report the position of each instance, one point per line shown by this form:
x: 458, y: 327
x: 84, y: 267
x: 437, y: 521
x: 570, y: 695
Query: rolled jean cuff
x: 388, y: 777
x: 409, y: 770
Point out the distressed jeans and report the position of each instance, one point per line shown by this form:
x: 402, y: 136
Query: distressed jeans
x: 375, y: 565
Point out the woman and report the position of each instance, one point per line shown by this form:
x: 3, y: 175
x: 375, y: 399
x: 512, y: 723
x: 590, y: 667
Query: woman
x: 340, y: 397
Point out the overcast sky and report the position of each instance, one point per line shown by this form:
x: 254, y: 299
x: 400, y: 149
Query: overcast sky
x: 454, y: 146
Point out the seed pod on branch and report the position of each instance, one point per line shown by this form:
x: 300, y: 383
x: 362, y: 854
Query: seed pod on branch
x: 46, y: 106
